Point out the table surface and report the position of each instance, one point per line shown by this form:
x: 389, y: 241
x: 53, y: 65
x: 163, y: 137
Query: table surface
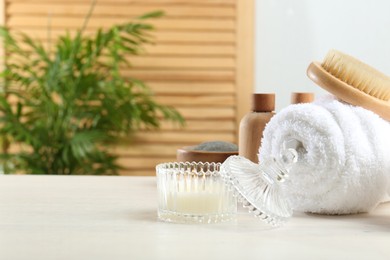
x: 86, y: 217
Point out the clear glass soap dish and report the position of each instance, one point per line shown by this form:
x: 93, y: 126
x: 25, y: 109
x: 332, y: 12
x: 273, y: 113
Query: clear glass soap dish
x: 193, y: 192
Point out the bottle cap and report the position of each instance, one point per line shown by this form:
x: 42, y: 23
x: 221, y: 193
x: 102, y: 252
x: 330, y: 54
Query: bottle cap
x: 302, y: 97
x: 263, y: 102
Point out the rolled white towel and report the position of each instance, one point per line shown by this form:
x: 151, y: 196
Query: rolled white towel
x: 344, y: 160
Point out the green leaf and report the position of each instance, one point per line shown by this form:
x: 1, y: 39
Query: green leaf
x: 154, y: 14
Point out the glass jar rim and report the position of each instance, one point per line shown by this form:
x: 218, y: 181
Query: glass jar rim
x: 199, y: 168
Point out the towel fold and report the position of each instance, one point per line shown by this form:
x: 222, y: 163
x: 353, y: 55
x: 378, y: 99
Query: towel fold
x: 344, y: 156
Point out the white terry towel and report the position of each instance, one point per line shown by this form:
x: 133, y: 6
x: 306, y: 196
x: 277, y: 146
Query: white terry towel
x: 344, y: 164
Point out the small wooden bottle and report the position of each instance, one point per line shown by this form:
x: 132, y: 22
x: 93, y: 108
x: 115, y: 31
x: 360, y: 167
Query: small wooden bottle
x: 302, y: 97
x: 253, y: 124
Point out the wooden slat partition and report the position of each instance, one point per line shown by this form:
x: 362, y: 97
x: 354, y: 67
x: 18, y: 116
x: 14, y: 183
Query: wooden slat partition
x: 201, y: 63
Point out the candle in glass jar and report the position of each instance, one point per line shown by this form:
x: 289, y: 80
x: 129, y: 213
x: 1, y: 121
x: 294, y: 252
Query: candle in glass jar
x: 201, y: 202
x: 189, y: 196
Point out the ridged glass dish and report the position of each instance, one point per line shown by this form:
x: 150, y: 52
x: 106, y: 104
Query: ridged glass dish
x: 190, y: 192
x: 259, y: 187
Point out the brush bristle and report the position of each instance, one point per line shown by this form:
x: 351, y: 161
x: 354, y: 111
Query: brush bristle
x: 357, y: 74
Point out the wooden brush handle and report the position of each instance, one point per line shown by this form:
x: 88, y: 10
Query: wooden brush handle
x: 347, y: 92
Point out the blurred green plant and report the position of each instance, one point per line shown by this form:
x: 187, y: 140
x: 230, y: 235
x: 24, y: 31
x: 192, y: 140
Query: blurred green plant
x: 64, y: 103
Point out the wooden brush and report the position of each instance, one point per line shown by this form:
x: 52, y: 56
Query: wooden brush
x: 353, y: 82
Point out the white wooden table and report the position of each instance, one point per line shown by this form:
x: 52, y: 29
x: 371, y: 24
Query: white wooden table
x: 92, y: 218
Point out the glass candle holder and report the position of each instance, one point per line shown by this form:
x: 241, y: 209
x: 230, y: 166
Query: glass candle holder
x: 193, y: 193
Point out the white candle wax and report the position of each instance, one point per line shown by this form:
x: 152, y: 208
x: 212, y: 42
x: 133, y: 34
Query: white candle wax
x: 195, y: 202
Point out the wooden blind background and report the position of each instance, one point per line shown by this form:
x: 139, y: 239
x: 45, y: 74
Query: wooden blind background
x: 201, y: 64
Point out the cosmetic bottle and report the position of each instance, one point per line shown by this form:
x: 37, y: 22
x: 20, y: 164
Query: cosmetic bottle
x: 253, y: 124
x: 302, y: 97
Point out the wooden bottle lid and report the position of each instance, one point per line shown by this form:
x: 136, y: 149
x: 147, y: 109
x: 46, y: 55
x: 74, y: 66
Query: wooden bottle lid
x: 263, y: 102
x: 302, y: 97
